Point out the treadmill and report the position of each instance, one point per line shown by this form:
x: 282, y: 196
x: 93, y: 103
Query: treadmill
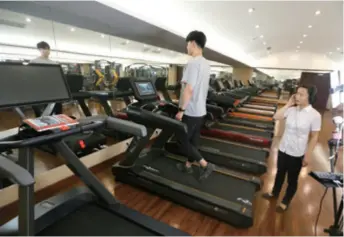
x: 224, y: 103
x: 154, y: 169
x: 254, y: 111
x: 218, y: 129
x: 85, y: 211
x: 75, y: 83
x: 228, y: 154
x: 236, y: 93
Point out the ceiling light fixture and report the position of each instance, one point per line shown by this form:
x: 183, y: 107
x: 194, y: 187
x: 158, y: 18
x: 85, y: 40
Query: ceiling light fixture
x: 304, y: 36
x: 261, y: 36
x: 297, y: 51
x: 330, y: 53
x: 250, y: 10
x: 317, y: 13
x: 301, y: 42
x: 264, y: 43
x: 102, y: 35
x: 28, y: 19
x: 310, y: 26
x: 338, y: 49
x: 72, y: 29
x: 298, y: 47
x: 159, y: 49
x: 257, y: 26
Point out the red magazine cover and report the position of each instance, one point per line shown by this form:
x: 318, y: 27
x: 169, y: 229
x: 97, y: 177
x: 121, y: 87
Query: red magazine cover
x: 60, y: 121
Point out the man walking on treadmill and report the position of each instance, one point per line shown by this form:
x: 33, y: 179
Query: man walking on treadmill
x: 192, y: 103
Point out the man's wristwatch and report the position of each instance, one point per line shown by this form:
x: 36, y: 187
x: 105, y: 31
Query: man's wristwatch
x: 181, y: 110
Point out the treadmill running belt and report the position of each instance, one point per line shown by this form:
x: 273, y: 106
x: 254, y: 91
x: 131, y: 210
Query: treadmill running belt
x: 167, y: 169
x: 259, y: 155
x: 252, y: 123
x: 241, y: 130
x: 92, y: 220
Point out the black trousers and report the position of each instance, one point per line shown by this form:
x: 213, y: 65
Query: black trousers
x: 188, y: 145
x: 290, y: 166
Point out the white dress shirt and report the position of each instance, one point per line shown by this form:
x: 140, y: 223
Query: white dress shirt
x: 299, y: 123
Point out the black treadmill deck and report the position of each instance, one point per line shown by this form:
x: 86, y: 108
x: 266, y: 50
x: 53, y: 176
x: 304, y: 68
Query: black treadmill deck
x: 225, y: 127
x: 228, y: 155
x: 249, y: 122
x: 159, y: 174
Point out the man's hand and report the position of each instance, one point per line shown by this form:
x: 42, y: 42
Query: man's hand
x: 179, y: 115
x: 305, y: 159
x: 291, y: 101
x: 304, y: 163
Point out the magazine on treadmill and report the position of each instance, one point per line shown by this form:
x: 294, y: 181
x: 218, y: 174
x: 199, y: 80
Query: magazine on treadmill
x: 59, y: 121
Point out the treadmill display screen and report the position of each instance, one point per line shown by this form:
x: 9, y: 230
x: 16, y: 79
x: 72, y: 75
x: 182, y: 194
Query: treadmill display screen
x: 145, y: 88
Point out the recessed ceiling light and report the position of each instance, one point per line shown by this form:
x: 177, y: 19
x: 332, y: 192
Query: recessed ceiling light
x: 159, y: 49
x: 261, y: 36
x: 338, y: 49
x: 304, y: 36
x: 317, y: 13
x: 264, y: 43
x: 257, y: 26
x: 310, y: 26
x: 250, y: 10
x: 72, y: 29
x: 28, y: 19
x: 102, y: 35
x: 298, y: 47
x: 330, y: 53
x: 297, y: 51
x: 301, y: 42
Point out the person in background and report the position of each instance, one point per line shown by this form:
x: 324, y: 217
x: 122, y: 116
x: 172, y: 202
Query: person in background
x: 300, y: 136
x: 44, y: 49
x: 192, y: 103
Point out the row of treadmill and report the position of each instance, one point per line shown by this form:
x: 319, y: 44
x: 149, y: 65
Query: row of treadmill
x: 236, y: 137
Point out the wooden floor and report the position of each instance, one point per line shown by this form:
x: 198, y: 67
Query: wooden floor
x: 298, y: 220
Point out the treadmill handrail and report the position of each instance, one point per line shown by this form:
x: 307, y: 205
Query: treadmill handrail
x: 34, y: 141
x: 158, y: 121
x: 97, y: 122
x: 15, y: 172
x: 126, y: 127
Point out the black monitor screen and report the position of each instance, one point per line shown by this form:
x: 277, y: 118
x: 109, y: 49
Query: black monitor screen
x: 31, y: 84
x: 145, y: 88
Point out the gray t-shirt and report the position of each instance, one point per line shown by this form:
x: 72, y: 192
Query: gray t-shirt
x: 43, y: 61
x: 197, y: 74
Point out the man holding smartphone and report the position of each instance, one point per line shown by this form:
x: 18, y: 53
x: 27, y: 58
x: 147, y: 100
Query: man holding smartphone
x: 303, y: 124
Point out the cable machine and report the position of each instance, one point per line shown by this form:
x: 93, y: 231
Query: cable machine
x: 106, y: 74
x: 147, y: 71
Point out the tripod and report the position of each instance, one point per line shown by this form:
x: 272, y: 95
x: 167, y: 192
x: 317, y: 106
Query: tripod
x: 337, y: 228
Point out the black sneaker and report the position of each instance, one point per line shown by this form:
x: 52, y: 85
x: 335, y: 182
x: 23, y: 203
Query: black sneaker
x: 206, y: 172
x: 182, y: 167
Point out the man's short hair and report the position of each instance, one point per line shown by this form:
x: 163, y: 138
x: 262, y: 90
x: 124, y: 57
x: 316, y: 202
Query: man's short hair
x: 43, y: 45
x: 197, y: 36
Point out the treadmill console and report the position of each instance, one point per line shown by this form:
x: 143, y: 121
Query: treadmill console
x: 144, y: 90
